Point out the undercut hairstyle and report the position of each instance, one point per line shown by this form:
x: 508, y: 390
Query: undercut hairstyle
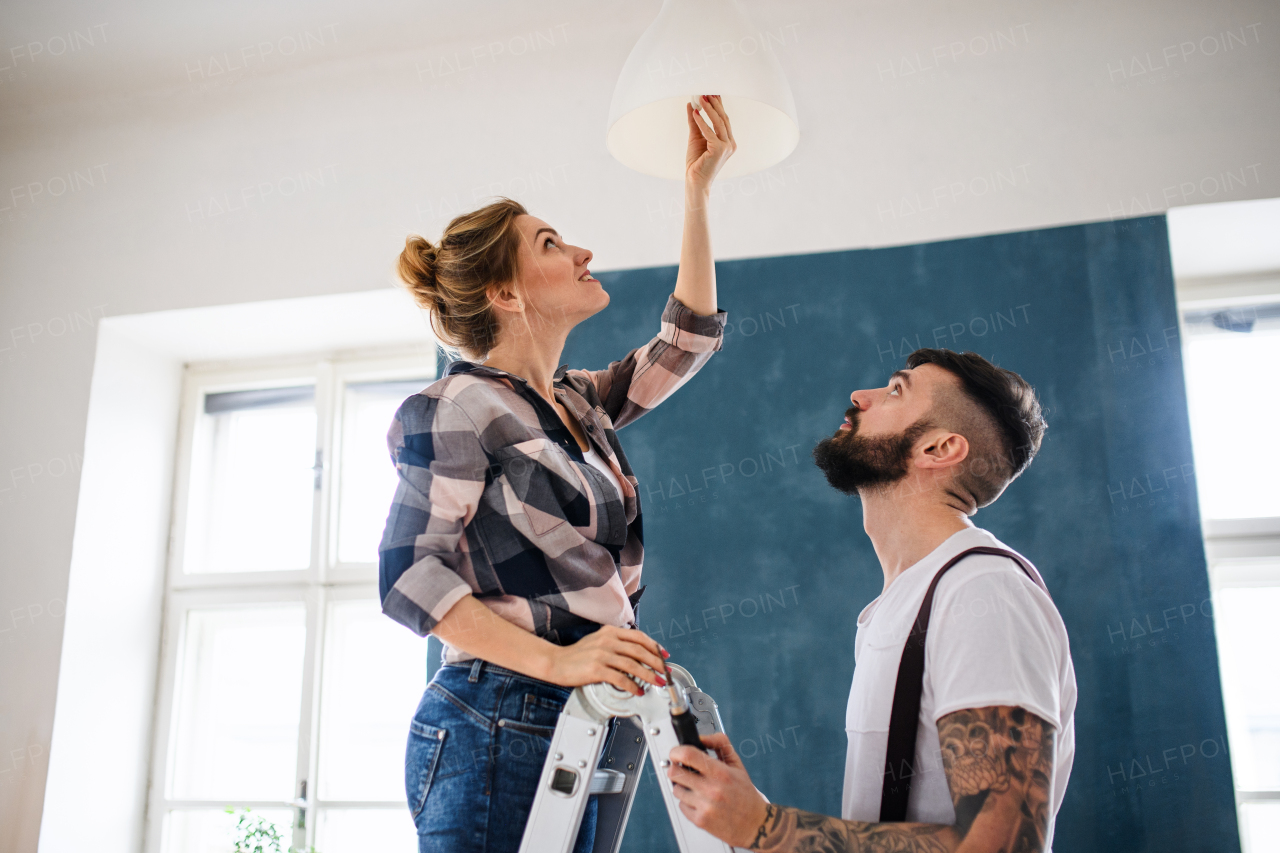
x: 451, y: 279
x: 997, y: 412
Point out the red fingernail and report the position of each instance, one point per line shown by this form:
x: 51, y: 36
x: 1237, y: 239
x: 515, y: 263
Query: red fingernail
x: 662, y: 682
x: 666, y: 654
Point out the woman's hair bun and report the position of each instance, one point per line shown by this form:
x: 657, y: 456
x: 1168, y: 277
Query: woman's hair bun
x: 451, y: 278
x: 417, y: 265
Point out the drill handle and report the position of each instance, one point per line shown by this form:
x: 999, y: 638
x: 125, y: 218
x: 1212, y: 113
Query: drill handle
x: 686, y: 726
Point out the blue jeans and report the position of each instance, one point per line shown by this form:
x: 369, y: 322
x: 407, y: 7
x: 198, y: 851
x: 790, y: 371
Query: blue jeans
x: 476, y: 748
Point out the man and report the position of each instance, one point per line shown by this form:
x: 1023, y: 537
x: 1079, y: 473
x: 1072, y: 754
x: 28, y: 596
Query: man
x: 994, y: 733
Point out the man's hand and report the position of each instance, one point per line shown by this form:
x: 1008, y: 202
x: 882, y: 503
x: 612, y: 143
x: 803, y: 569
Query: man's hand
x: 999, y: 765
x: 719, y: 797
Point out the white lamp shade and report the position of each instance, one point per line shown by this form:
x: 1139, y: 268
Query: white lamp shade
x: 701, y: 47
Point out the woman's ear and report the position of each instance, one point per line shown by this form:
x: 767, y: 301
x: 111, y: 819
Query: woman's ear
x: 505, y: 297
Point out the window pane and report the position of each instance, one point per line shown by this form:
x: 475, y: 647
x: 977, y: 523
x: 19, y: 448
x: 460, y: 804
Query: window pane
x: 1261, y: 827
x: 1229, y: 397
x: 253, y: 483
x: 1248, y: 649
x: 213, y: 831
x: 362, y: 830
x: 374, y: 675
x: 368, y: 478
x: 238, y: 702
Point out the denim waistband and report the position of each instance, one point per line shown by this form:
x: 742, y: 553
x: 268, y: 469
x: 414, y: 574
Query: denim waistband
x: 479, y: 666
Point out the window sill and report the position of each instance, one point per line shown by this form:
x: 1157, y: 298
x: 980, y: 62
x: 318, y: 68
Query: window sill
x: 1241, y: 528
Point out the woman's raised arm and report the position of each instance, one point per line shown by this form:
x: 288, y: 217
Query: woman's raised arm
x: 649, y: 374
x: 692, y: 326
x: 710, y: 145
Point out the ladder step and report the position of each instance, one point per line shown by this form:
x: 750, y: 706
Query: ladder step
x: 608, y: 782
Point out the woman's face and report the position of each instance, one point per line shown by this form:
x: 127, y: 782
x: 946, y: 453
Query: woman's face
x: 556, y: 289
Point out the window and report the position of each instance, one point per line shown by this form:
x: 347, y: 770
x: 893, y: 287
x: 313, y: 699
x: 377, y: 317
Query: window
x: 283, y: 687
x: 1232, y: 356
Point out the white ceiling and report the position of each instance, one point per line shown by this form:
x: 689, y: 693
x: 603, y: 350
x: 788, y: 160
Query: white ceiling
x: 914, y: 127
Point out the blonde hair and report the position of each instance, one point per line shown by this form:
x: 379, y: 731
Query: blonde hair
x: 451, y: 279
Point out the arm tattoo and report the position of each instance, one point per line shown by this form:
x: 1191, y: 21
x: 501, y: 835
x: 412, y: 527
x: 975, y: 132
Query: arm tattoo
x: 999, y: 762
x: 1000, y: 759
x: 787, y: 829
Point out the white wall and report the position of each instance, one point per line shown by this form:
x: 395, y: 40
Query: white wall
x: 102, y: 735
x: 110, y: 648
x: 404, y: 113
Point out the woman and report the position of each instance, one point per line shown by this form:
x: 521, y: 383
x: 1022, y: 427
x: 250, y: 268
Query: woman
x: 514, y: 535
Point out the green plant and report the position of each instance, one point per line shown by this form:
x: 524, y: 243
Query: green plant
x: 256, y: 834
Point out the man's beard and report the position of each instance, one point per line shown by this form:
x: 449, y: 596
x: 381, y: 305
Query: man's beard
x: 852, y: 462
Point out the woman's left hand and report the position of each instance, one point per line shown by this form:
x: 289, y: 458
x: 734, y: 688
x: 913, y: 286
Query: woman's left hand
x: 709, y: 145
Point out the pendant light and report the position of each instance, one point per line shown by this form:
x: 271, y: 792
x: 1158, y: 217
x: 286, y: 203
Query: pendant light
x: 701, y: 47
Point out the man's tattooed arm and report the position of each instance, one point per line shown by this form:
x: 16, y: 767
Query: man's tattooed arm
x: 999, y: 764
x: 787, y: 829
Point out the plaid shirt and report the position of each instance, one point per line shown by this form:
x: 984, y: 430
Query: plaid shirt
x: 494, y: 497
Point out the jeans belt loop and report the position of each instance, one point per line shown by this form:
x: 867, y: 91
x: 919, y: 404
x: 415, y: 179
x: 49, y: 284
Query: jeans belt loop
x: 475, y: 670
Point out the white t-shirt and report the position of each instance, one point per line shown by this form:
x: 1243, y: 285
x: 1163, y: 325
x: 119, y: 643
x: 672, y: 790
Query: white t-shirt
x: 995, y: 638
x: 599, y: 462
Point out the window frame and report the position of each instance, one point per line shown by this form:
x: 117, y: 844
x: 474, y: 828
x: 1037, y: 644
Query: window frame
x: 325, y: 579
x: 1240, y: 552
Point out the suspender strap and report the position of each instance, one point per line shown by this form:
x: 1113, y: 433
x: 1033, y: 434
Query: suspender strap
x: 904, y: 718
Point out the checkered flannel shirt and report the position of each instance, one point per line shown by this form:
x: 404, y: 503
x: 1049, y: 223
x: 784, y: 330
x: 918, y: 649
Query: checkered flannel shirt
x: 494, y: 497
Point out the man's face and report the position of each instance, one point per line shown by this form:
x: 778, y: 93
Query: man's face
x: 875, y: 444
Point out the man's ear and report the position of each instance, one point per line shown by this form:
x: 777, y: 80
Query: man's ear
x: 943, y: 450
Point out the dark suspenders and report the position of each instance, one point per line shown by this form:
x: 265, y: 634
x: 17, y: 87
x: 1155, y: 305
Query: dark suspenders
x: 904, y: 718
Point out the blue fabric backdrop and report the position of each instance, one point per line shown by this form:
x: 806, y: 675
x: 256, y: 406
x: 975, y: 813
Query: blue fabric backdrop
x: 757, y: 569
